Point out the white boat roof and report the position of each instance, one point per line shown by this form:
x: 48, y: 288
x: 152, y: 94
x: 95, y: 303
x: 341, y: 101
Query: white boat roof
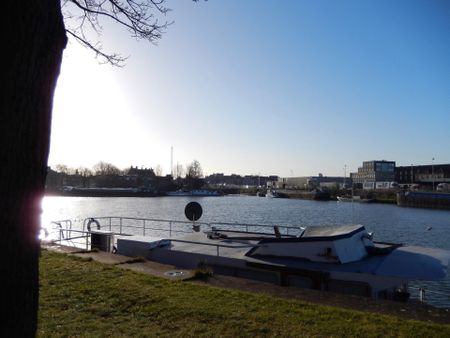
x: 332, y: 230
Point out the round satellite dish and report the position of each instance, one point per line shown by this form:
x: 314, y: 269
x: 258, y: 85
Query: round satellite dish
x: 193, y: 211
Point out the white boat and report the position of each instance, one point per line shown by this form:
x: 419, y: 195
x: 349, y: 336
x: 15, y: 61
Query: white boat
x: 197, y: 193
x: 179, y: 193
x: 343, y: 258
x: 272, y: 193
x: 205, y: 193
x: 354, y: 199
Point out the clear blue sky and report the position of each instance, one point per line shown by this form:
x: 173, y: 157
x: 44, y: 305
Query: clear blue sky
x: 269, y: 87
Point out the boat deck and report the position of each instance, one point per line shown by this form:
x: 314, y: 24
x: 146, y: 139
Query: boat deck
x: 190, y: 249
x: 200, y: 243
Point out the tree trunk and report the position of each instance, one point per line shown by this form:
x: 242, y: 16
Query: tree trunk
x: 34, y: 39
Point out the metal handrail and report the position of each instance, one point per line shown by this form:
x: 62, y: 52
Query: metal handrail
x: 143, y: 226
x: 66, y: 221
x: 216, y: 245
x: 70, y: 239
x: 85, y: 234
x: 247, y: 225
x: 64, y: 227
x: 210, y: 225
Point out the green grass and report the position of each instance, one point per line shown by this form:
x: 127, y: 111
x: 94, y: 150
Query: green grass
x: 84, y: 298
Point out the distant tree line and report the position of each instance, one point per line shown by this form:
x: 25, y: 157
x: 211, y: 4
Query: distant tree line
x: 99, y: 169
x: 193, y: 169
x: 107, y: 174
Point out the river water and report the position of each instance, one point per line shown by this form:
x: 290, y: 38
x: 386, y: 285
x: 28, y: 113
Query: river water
x: 389, y: 223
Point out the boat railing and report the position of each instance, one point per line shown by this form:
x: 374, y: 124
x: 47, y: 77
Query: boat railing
x: 63, y: 227
x: 123, y: 225
x: 73, y: 237
x: 251, y: 227
x: 68, y: 234
x: 218, y: 246
x: 81, y: 237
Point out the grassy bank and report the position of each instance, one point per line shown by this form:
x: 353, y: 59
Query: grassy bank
x: 79, y: 297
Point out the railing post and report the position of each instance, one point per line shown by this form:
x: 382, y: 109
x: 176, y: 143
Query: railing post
x: 422, y: 295
x: 110, y: 225
x: 143, y: 227
x: 217, y: 247
x: 69, y: 225
x: 120, y: 225
x: 170, y: 228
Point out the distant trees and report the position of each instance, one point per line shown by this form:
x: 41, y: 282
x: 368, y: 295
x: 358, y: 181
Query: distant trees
x: 66, y: 170
x: 158, y: 170
x: 194, y: 170
x: 107, y: 175
x: 63, y: 169
x: 85, y: 172
x: 105, y: 169
x: 194, y: 175
x: 178, y: 171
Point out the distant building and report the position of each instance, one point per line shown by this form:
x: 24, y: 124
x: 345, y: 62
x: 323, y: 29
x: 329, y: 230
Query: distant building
x: 312, y: 182
x: 143, y: 172
x: 423, y: 174
x: 220, y: 179
x: 136, y: 177
x: 374, y: 171
x: 292, y: 182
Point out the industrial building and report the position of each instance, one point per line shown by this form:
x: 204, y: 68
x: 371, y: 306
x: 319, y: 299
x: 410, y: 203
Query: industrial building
x: 374, y: 171
x: 430, y: 174
x: 312, y: 182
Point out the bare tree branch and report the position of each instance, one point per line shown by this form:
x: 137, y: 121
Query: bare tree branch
x: 137, y: 16
x: 112, y: 58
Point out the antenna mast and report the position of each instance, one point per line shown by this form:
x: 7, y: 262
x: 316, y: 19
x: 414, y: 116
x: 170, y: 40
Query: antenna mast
x: 171, y: 161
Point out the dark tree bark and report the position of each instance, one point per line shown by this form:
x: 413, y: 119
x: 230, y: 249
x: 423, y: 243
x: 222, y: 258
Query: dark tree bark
x: 34, y: 39
x: 33, y: 43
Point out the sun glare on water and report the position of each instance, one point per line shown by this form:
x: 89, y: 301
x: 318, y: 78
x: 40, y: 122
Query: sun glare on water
x: 50, y: 207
